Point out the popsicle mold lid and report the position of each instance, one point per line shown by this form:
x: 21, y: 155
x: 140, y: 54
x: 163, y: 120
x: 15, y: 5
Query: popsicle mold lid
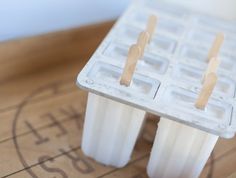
x: 167, y: 80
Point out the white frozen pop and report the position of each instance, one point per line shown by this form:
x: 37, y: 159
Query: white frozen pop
x: 179, y: 151
x: 110, y: 130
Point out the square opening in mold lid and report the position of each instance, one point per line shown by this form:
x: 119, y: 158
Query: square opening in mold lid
x: 166, y: 82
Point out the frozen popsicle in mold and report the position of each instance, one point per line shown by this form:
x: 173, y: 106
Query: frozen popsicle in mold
x: 198, y: 55
x: 151, y: 62
x: 110, y: 130
x: 200, y: 52
x: 224, y: 86
x: 157, y: 41
x: 179, y: 151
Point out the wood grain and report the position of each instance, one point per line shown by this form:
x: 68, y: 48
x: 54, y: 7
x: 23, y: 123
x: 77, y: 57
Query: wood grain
x: 23, y: 56
x: 42, y: 111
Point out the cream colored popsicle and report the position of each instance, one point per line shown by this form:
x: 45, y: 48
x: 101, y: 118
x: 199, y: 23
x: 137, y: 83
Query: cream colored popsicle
x: 179, y: 151
x: 110, y: 130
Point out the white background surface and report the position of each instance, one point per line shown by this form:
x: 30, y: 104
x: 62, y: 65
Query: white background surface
x: 31, y: 17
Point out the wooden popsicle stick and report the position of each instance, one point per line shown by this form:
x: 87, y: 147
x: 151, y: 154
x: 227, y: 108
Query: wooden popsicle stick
x: 151, y: 25
x: 142, y: 41
x: 215, y: 49
x: 206, y: 91
x: 131, y: 62
x: 212, y: 67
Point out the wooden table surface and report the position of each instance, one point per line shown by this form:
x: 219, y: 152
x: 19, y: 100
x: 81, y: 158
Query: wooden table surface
x: 42, y: 112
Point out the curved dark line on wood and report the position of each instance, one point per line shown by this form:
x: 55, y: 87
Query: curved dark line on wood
x: 21, y: 106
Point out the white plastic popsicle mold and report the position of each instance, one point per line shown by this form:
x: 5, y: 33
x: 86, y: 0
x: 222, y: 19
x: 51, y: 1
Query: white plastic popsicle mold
x: 168, y: 78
